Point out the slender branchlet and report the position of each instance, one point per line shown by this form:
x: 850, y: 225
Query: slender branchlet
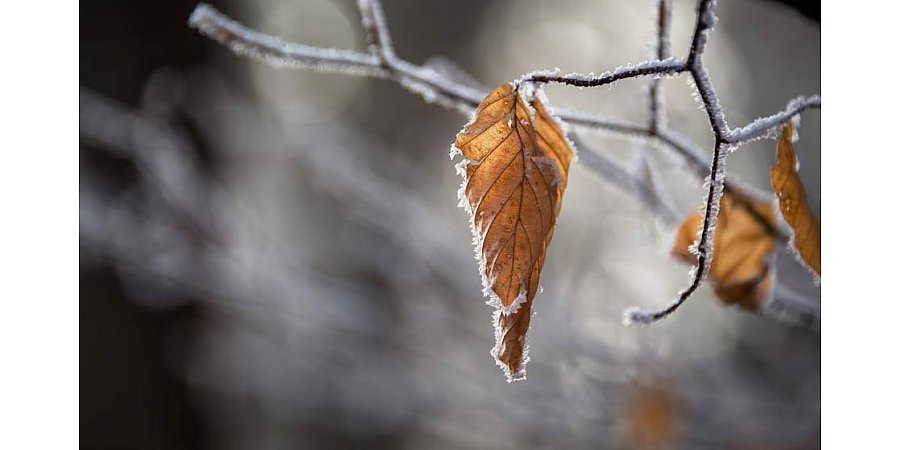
x: 244, y: 41
x: 382, y: 62
x: 759, y: 127
x: 377, y: 34
x: 706, y: 20
x: 656, y: 116
x: 670, y: 66
x: 704, y: 248
x: 662, y: 50
x: 663, y: 45
x: 621, y: 127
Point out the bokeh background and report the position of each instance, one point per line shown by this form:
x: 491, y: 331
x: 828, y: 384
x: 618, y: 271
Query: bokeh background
x: 274, y: 259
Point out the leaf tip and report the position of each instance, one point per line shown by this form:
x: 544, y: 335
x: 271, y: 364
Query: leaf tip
x: 513, y: 363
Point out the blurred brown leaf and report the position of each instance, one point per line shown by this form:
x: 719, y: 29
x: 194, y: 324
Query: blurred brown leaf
x: 516, y: 168
x: 740, y: 273
x: 792, y: 202
x: 651, y: 414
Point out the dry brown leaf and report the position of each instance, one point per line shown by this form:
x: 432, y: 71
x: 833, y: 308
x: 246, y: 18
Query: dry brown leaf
x: 514, y: 173
x: 788, y: 187
x: 740, y: 273
x: 650, y: 417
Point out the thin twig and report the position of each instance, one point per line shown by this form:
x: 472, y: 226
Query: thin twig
x: 669, y: 66
x: 761, y: 126
x: 704, y: 249
x: 275, y: 51
x: 376, y: 30
x: 662, y: 45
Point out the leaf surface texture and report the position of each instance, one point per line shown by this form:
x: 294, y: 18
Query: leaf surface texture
x: 514, y: 173
x: 806, y: 240
x: 741, y: 269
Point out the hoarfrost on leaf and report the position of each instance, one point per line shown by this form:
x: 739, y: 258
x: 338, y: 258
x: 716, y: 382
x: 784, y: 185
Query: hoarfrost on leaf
x: 513, y: 180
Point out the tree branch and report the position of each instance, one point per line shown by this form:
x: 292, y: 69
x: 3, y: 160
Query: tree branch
x: 435, y: 87
x: 704, y: 248
x: 759, y: 127
x: 657, y: 116
x: 376, y: 30
x: 244, y: 41
x: 669, y: 66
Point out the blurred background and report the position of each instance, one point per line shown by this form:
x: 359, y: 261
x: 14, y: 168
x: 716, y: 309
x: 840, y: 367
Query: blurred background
x: 274, y: 259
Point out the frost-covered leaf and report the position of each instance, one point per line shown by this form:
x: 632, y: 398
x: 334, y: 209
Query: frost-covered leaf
x: 741, y: 269
x: 806, y: 239
x: 650, y: 416
x: 514, y: 173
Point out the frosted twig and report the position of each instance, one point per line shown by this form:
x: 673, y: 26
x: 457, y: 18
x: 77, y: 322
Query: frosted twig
x: 710, y: 101
x: 275, y: 51
x: 704, y: 248
x: 658, y: 67
x: 706, y: 20
x: 641, y: 182
x: 761, y: 126
x: 376, y: 29
x: 657, y: 116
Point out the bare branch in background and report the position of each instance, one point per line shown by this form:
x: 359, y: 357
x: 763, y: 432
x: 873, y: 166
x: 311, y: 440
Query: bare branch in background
x: 657, y: 115
x: 376, y: 31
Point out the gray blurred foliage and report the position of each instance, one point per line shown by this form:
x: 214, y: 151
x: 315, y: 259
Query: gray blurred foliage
x: 342, y: 304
